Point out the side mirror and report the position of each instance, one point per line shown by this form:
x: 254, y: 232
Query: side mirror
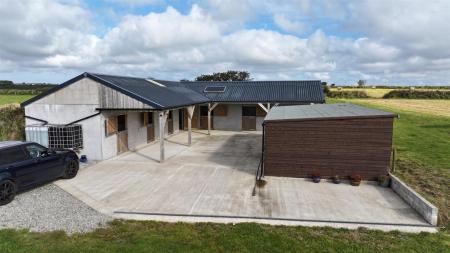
x: 44, y: 153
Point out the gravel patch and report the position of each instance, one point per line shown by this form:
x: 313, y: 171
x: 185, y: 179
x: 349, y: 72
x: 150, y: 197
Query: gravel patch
x: 49, y: 208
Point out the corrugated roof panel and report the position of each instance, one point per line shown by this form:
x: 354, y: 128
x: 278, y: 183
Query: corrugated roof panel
x: 323, y: 111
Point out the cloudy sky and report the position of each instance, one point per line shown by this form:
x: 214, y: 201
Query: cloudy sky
x: 382, y: 41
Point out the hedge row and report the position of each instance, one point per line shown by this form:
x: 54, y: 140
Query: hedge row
x: 19, y: 92
x: 12, y: 123
x: 418, y: 94
x: 347, y: 94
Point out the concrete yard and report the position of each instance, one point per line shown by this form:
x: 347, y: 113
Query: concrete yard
x: 213, y: 181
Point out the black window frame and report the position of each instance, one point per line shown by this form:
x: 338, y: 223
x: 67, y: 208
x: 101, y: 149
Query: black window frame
x: 121, y: 127
x: 245, y: 111
x: 25, y: 148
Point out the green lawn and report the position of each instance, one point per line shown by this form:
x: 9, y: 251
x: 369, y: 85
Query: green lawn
x: 423, y: 161
x: 13, y: 99
x: 147, y: 236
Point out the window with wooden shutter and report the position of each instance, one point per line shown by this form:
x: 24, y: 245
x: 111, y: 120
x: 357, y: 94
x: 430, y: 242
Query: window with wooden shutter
x: 110, y: 126
x: 221, y: 110
x: 260, y: 112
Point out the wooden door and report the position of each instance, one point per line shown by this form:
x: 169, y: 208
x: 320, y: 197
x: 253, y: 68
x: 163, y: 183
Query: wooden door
x: 122, y: 142
x: 150, y: 125
x: 170, y: 122
x: 122, y: 134
x: 248, y: 118
x: 196, y: 117
x: 204, y: 118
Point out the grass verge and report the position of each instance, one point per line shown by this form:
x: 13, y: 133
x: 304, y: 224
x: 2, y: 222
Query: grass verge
x: 148, y: 236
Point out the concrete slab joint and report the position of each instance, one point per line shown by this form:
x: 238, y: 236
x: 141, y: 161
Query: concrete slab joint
x: 427, y: 210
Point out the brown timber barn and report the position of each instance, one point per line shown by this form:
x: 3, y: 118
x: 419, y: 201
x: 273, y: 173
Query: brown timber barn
x: 331, y: 139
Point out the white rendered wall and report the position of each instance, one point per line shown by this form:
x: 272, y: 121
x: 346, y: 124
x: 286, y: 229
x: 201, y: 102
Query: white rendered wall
x: 69, y: 104
x: 231, y: 122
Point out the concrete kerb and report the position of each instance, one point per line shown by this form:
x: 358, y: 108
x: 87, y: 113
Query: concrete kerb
x: 427, y: 210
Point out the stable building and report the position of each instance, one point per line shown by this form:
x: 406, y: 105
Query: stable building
x: 330, y: 139
x: 102, y: 116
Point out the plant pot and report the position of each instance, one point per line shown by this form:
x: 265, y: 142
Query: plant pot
x: 336, y: 180
x: 355, y: 183
x: 384, y: 181
x: 316, y: 179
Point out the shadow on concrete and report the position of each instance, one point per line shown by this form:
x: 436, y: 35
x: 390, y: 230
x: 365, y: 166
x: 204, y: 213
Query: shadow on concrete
x: 239, y: 151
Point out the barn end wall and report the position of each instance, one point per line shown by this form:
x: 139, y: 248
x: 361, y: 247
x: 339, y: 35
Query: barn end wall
x: 331, y: 147
x: 69, y: 104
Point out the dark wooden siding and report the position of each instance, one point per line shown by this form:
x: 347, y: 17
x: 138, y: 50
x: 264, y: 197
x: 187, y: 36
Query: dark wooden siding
x: 331, y: 147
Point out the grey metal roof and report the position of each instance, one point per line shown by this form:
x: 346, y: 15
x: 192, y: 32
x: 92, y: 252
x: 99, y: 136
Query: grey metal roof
x: 160, y: 97
x: 259, y: 91
x: 173, y: 94
x: 323, y: 111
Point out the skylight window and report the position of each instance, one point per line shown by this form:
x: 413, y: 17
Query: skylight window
x: 215, y: 89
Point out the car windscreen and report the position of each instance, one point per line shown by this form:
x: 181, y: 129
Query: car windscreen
x: 12, y: 155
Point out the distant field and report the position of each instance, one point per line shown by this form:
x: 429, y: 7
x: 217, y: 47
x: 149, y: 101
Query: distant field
x: 374, y: 92
x: 426, y: 106
x: 13, y: 99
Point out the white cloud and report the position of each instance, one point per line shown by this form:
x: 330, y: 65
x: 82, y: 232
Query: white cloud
x: 401, y: 40
x: 288, y: 25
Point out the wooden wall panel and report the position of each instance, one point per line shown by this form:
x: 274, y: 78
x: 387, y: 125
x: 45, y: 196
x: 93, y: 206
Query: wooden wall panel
x: 330, y: 147
x: 221, y: 110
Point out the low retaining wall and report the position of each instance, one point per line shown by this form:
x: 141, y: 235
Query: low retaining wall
x: 428, y: 211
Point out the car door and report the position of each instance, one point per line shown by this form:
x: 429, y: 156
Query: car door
x: 19, y: 165
x: 49, y: 165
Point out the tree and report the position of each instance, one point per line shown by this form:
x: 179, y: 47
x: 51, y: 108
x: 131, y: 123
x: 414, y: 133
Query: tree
x: 361, y: 83
x: 6, y: 82
x: 230, y: 75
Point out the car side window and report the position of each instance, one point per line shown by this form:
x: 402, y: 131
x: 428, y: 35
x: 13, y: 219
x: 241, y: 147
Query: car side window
x: 12, y: 155
x: 34, y: 150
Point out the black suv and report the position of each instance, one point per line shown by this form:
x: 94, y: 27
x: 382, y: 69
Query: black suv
x: 27, y: 164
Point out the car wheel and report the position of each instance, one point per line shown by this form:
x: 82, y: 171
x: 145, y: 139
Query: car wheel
x: 7, y: 191
x: 71, y: 170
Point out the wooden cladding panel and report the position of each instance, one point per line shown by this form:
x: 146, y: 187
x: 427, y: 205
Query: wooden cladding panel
x: 221, y: 110
x: 331, y: 147
x: 111, y: 125
x: 260, y: 112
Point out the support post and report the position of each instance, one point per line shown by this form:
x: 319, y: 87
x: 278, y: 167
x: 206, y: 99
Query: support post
x: 210, y: 109
x: 162, y: 130
x: 209, y: 119
x: 264, y: 108
x: 190, y: 111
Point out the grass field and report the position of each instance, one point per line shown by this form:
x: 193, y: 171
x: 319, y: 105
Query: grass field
x: 13, y: 99
x: 422, y: 141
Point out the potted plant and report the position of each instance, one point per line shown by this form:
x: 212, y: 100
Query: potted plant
x: 336, y: 179
x: 315, y: 177
x: 355, y: 180
x: 384, y: 180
